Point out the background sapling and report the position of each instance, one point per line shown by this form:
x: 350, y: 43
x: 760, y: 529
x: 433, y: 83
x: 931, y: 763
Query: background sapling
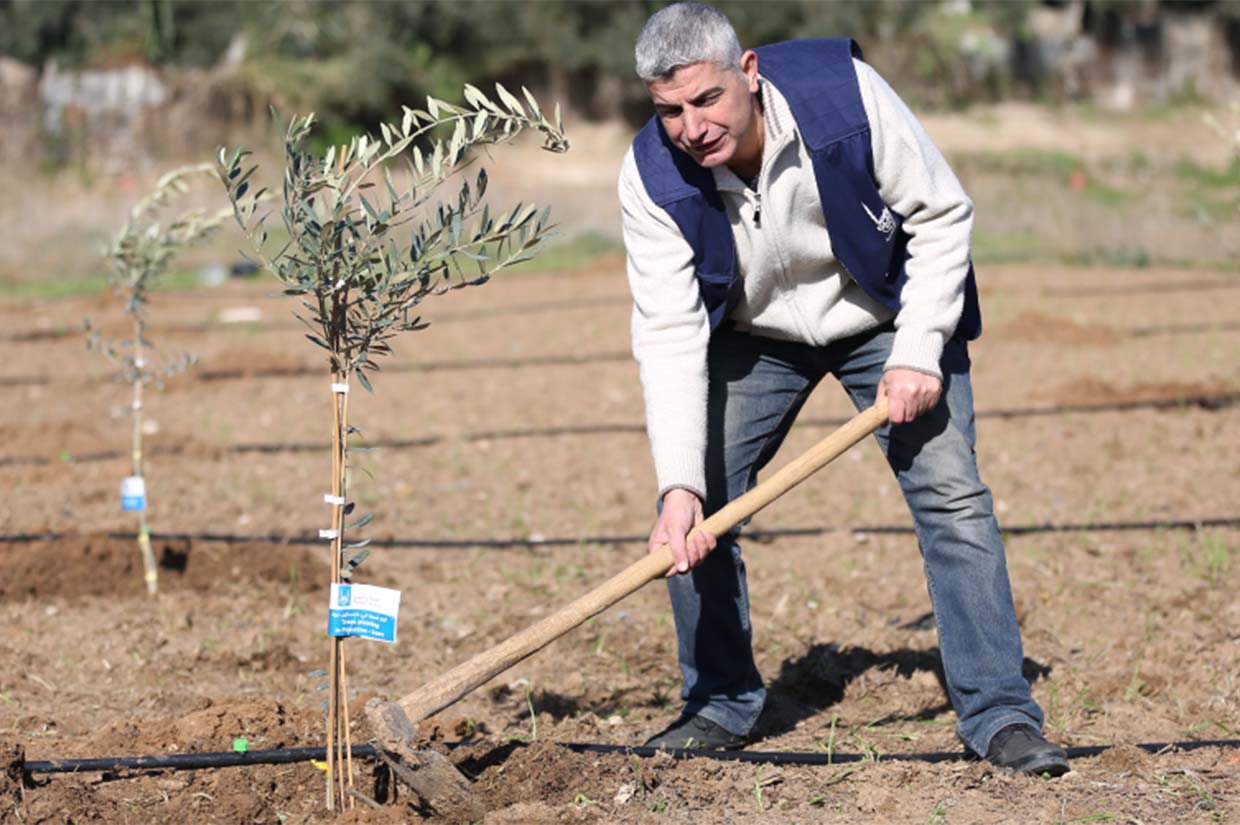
x: 137, y: 257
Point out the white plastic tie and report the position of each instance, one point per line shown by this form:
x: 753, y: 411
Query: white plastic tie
x: 340, y: 387
x: 327, y: 534
x: 137, y: 405
x: 139, y: 362
x: 330, y: 499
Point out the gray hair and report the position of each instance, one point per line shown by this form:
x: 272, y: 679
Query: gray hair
x: 685, y: 33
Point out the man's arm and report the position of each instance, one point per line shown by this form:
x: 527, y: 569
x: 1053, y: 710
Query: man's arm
x: 671, y: 333
x: 915, y: 180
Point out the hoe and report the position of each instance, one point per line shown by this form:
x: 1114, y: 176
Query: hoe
x: 431, y: 776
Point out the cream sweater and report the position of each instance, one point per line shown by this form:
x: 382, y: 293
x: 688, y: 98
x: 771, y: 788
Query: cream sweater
x: 795, y: 289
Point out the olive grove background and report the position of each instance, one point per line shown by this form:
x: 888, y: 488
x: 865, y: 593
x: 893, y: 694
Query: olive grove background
x: 1126, y: 107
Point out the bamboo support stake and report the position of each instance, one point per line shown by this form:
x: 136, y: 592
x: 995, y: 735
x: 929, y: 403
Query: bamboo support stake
x: 334, y: 661
x: 339, y: 738
x: 348, y: 737
x: 331, y: 730
x: 150, y: 570
x: 343, y: 738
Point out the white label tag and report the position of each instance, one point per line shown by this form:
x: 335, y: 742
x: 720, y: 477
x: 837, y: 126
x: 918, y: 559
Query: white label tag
x: 340, y: 387
x: 330, y: 499
x: 327, y: 534
x: 133, y: 493
x: 363, y: 610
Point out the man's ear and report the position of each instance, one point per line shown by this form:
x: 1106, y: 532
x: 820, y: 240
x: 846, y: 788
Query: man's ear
x: 749, y: 68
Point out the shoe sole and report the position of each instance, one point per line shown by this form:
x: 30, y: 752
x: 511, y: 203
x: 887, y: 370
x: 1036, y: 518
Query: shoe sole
x: 1040, y: 764
x: 697, y: 746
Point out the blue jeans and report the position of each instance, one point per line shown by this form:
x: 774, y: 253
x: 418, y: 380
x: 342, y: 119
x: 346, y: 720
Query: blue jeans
x: 757, y: 387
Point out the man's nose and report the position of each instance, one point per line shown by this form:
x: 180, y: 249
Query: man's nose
x: 695, y: 125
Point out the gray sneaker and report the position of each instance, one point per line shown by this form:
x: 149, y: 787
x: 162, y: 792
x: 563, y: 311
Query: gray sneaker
x: 696, y: 733
x: 1021, y: 749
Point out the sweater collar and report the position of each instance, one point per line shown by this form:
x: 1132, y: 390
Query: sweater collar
x: 781, y: 131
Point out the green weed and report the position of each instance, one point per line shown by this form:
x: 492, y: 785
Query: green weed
x: 869, y: 751
x: 759, y: 783
x: 828, y: 744
x: 293, y: 607
x: 1208, y: 557
x: 938, y: 816
x: 663, y: 692
x: 839, y: 776
x: 1193, y: 173
x: 1205, y: 803
x: 1212, y: 723
x: 1135, y: 684
x: 1062, y: 711
x: 757, y: 789
x: 532, y: 736
x: 635, y: 765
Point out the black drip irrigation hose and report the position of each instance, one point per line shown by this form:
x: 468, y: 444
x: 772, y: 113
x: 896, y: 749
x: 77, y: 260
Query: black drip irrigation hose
x: 188, y: 761
x: 578, y: 541
x: 284, y: 756
x: 1210, y: 402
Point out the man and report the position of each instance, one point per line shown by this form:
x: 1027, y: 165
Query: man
x: 786, y: 217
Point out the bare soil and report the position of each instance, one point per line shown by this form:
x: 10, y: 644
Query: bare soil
x: 516, y: 476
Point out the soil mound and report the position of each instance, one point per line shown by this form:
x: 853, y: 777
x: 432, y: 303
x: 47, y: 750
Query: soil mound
x: 96, y: 565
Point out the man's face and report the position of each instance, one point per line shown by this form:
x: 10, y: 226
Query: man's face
x: 711, y: 113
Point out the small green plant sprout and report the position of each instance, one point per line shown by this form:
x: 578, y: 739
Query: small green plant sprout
x: 370, y: 236
x: 938, y: 816
x: 760, y: 782
x: 136, y: 259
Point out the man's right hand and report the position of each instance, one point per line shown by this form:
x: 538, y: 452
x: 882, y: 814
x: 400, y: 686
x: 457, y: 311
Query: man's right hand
x: 682, y: 512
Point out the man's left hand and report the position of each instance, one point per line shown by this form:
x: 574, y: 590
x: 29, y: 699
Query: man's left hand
x: 909, y: 393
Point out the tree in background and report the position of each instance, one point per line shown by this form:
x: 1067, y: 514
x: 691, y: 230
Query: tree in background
x: 310, y: 56
x: 136, y: 258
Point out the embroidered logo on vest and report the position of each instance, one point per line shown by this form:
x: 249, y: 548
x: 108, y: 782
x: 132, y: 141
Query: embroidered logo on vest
x: 885, y: 223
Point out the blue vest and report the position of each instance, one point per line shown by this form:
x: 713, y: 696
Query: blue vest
x: 819, y: 81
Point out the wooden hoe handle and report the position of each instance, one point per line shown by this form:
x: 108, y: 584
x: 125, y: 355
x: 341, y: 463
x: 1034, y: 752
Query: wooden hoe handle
x: 465, y: 677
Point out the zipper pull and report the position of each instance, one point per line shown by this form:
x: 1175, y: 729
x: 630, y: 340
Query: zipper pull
x: 757, y: 210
